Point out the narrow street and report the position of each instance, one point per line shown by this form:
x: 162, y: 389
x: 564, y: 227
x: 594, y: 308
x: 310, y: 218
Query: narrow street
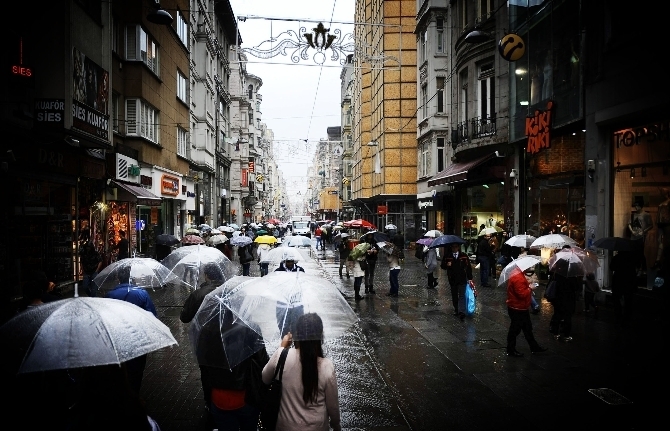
x: 411, y: 365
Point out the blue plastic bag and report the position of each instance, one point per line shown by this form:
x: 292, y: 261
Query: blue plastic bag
x: 470, y: 300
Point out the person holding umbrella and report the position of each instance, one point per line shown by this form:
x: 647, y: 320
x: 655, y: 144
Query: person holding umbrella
x: 343, y: 249
x: 245, y: 256
x: 484, y: 257
x: 459, y: 273
x: 519, y: 293
x: 430, y: 263
x: 566, y: 299
x: 371, y: 260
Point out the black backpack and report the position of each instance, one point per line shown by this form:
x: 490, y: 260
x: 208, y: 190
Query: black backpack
x: 418, y: 252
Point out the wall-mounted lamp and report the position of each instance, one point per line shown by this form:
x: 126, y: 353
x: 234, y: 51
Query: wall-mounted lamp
x: 512, y: 174
x: 159, y: 15
x: 477, y: 36
x: 632, y: 172
x: 71, y: 141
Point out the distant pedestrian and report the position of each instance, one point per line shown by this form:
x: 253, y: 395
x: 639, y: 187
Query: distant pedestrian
x: 359, y: 275
x: 519, y: 293
x: 245, y: 256
x: 123, y: 246
x: 91, y: 264
x: 324, y: 238
x: 459, y: 273
x: 394, y: 271
x: 262, y: 252
x: 565, y: 302
x: 484, y: 257
x: 591, y: 287
x: 343, y: 249
x: 317, y: 235
x: 371, y: 260
x: 624, y: 266
x: 430, y: 263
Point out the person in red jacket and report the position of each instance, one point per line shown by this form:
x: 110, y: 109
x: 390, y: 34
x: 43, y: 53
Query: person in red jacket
x: 519, y: 291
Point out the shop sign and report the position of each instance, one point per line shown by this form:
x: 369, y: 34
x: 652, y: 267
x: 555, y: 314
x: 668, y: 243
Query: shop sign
x: 169, y: 185
x: 332, y: 192
x: 90, y: 112
x: 245, y: 178
x: 190, y: 194
x: 652, y: 132
x: 50, y: 112
x: 146, y: 181
x: 382, y: 209
x: 154, y: 215
x: 538, y: 128
x: 511, y: 47
x: 252, y: 166
x: 425, y: 204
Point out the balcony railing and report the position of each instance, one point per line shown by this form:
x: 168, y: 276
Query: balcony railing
x: 473, y: 129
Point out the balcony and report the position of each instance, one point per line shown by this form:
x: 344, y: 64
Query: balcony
x: 472, y: 129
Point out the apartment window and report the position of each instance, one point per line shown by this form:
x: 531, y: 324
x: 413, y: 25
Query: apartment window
x: 440, y: 94
x: 424, y: 47
x: 115, y: 35
x: 464, y: 96
x: 251, y: 118
x: 140, y: 47
x: 141, y: 119
x: 115, y: 111
x: 182, y: 87
x: 440, y: 35
x: 424, y: 159
x: 485, y: 9
x: 424, y: 101
x: 440, y: 154
x: 464, y: 13
x: 486, y: 92
x: 182, y: 29
x: 258, y: 106
x: 182, y: 141
x: 251, y: 92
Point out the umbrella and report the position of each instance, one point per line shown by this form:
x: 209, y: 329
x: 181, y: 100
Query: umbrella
x: 391, y: 227
x: 237, y: 233
x: 359, y: 250
x: 298, y: 241
x: 488, y: 231
x: 573, y: 262
x: 261, y: 232
x: 359, y: 223
x: 444, y: 240
x: 165, y: 239
x: 521, y: 241
x: 194, y: 264
x: 192, y: 240
x: 217, y: 239
x: 554, y: 240
x: 425, y: 241
x: 280, y: 254
x: 218, y: 339
x: 205, y: 226
x: 614, y: 243
x: 269, y: 226
x: 523, y: 263
x: 240, y: 240
x: 271, y: 305
x: 376, y: 236
x: 142, y: 272
x: 265, y: 239
x: 234, y: 226
x: 274, y: 221
x: 228, y: 229
x: 338, y: 227
x: 388, y: 247
x: 215, y: 232
x: 192, y: 231
x: 432, y: 234
x: 82, y: 332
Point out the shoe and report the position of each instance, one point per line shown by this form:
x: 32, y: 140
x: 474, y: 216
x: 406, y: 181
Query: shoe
x: 539, y: 349
x: 372, y: 291
x: 392, y: 295
x: 514, y: 353
x: 566, y: 339
x: 461, y: 316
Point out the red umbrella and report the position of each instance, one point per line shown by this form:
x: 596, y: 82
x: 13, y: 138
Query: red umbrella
x: 274, y: 221
x: 359, y: 223
x: 192, y: 239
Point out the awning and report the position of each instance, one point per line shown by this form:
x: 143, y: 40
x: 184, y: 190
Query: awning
x: 457, y: 172
x: 144, y: 196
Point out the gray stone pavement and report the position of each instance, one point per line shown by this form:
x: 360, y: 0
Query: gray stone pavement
x: 416, y: 366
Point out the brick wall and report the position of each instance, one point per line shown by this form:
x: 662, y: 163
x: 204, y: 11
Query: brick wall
x: 566, y: 154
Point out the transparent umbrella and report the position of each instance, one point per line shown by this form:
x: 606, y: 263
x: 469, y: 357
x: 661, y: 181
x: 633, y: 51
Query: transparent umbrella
x: 272, y: 304
x: 196, y: 264
x: 142, y: 272
x: 81, y: 332
x: 216, y: 240
x: 573, y: 262
x: 553, y: 241
x: 432, y: 233
x: 240, y: 240
x: 523, y: 263
x: 298, y: 241
x: 280, y: 254
x: 521, y: 241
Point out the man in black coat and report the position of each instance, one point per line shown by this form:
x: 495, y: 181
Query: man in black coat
x: 459, y: 272
x: 371, y: 259
x: 484, y: 257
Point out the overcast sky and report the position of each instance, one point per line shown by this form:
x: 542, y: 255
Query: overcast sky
x: 299, y: 101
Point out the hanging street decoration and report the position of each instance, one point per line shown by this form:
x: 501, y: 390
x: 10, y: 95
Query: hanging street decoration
x: 511, y: 47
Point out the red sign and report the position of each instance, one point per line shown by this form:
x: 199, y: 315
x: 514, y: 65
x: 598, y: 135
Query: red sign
x: 245, y: 178
x: 382, y: 209
x: 252, y: 166
x: 538, y: 128
x: 169, y: 185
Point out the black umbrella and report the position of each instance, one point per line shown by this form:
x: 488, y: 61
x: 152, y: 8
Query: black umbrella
x: 614, y: 243
x: 165, y: 239
x: 445, y: 240
x: 377, y: 236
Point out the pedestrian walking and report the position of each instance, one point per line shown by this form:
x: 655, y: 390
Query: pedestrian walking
x: 324, y: 238
x: 91, y: 264
x: 394, y: 272
x: 565, y: 302
x: 591, y: 287
x: 289, y: 265
x: 430, y: 263
x: 123, y: 246
x: 484, y: 256
x: 309, y: 399
x: 317, y: 235
x: 245, y: 255
x: 262, y: 252
x: 371, y: 260
x: 459, y: 273
x: 519, y: 294
x: 359, y: 266
x: 343, y: 249
x: 493, y: 242
x: 624, y: 266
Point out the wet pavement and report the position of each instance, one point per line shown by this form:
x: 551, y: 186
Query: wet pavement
x: 410, y: 364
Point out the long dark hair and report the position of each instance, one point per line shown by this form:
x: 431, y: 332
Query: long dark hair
x: 309, y: 329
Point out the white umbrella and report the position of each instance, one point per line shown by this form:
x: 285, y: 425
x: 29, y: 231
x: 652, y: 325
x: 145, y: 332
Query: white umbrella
x: 298, y: 241
x: 193, y: 264
x: 270, y: 226
x: 523, y: 263
x: 215, y: 232
x: 488, y: 231
x: 82, y: 332
x: 280, y: 254
x: 217, y: 239
x: 240, y: 240
x: 574, y: 262
x: 142, y: 272
x: 553, y: 241
x: 521, y: 241
x: 391, y: 227
x: 432, y: 234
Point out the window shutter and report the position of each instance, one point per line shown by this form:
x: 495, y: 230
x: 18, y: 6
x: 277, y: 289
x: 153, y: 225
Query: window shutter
x: 131, y: 42
x: 131, y: 117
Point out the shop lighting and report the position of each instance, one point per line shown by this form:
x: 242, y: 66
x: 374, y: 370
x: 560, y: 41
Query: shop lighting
x: 520, y: 71
x: 486, y: 186
x: 632, y: 172
x: 523, y: 103
x: 502, y: 182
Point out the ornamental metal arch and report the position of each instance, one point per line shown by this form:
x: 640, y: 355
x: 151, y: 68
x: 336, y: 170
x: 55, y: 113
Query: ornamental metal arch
x: 319, y: 44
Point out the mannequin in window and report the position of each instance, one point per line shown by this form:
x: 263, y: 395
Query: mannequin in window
x: 639, y: 226
x: 491, y: 222
x: 536, y: 81
x: 548, y: 73
x: 663, y: 234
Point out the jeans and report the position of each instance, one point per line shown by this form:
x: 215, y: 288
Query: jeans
x: 245, y: 268
x: 318, y: 242
x: 533, y: 302
x: 393, y: 279
x: 484, y: 270
x: 370, y: 274
x: 242, y: 419
x: 88, y: 285
x: 264, y: 269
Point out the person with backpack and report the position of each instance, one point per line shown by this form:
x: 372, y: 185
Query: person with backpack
x: 343, y: 249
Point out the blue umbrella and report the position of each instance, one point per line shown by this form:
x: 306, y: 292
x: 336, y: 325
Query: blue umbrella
x: 240, y: 241
x: 445, y: 240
